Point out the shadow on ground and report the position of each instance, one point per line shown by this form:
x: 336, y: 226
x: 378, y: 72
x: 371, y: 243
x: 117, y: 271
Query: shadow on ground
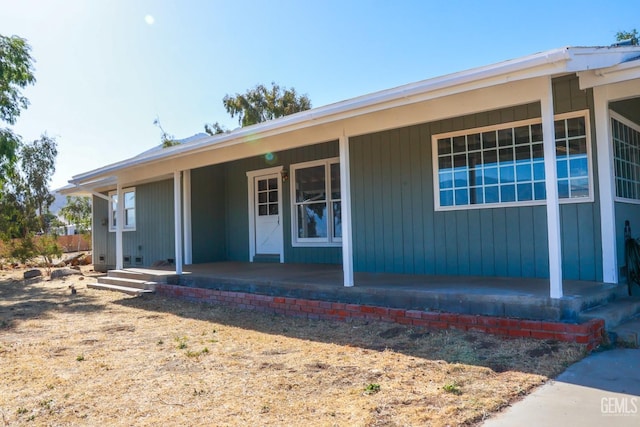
x: 22, y: 300
x: 547, y: 358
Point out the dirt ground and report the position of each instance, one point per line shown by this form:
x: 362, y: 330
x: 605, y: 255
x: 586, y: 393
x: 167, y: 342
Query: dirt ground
x: 103, y: 358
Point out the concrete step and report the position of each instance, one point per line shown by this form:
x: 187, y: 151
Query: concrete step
x: 627, y: 333
x: 135, y: 275
x: 127, y: 282
x: 117, y: 288
x: 614, y: 313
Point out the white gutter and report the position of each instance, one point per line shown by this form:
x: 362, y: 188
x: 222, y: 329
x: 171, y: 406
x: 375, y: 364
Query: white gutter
x: 355, y: 106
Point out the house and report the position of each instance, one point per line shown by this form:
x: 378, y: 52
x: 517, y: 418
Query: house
x: 525, y: 168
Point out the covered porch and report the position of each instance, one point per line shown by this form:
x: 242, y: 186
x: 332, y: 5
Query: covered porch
x: 525, y: 298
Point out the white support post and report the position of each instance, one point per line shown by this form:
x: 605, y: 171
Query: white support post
x: 345, y: 195
x: 606, y: 183
x: 551, y: 186
x: 177, y: 211
x: 119, y: 225
x: 186, y: 216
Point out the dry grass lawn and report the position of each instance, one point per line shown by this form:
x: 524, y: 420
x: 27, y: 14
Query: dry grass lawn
x: 103, y: 358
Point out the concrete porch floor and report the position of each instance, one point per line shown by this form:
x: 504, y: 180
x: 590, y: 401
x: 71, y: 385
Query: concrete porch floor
x: 526, y: 298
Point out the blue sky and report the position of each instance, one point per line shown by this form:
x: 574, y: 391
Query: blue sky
x: 107, y: 68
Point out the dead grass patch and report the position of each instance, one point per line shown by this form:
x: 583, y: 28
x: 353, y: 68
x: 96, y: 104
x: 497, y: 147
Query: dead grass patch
x: 101, y: 358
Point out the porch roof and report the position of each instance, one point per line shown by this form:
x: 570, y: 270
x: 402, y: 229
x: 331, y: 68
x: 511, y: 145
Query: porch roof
x: 582, y: 60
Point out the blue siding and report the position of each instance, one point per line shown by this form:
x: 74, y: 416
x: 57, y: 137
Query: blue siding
x: 208, y: 214
x: 397, y: 230
x: 153, y: 240
x: 223, y: 230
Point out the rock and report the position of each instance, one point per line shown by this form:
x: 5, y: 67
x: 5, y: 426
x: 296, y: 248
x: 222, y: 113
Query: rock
x: 63, y: 272
x: 88, y: 260
x: 30, y: 274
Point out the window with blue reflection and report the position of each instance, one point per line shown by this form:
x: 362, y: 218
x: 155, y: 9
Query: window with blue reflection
x: 506, y: 164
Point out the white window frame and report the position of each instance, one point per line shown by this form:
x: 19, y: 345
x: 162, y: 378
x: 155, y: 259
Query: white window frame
x: 112, y: 226
x: 615, y: 116
x: 328, y: 241
x: 507, y: 125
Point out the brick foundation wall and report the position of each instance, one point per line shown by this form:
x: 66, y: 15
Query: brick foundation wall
x: 589, y: 334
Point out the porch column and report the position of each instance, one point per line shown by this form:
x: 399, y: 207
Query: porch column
x: 119, y: 225
x: 186, y: 213
x: 177, y: 211
x: 551, y: 186
x: 606, y: 184
x: 345, y: 196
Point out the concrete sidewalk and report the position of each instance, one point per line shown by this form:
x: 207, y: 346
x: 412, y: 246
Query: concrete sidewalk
x: 602, y: 389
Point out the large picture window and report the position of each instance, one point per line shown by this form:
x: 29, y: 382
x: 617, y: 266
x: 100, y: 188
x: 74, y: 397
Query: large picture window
x: 129, y: 196
x: 316, y: 203
x: 626, y: 152
x: 504, y: 164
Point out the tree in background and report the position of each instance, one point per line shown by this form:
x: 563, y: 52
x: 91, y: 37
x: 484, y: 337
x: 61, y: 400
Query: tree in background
x: 16, y: 72
x: 25, y: 201
x: 77, y: 212
x: 260, y: 104
x: 628, y: 35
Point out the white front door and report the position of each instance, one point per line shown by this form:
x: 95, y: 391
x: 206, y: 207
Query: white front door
x: 267, y: 215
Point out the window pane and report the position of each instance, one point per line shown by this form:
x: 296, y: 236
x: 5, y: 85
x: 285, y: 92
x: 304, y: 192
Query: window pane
x: 129, y: 200
x: 446, y: 180
x: 539, y: 190
x: 444, y: 162
x: 507, y: 193
x: 262, y: 210
x: 505, y: 137
x: 578, y: 167
x: 262, y: 197
x: 335, y: 181
x: 446, y: 198
x: 130, y: 216
x: 273, y: 209
x: 459, y: 144
x: 560, y: 129
x: 273, y: 183
x: 312, y: 220
x: 576, y: 127
x: 444, y: 146
x: 273, y: 196
x: 563, y: 169
x: 488, y: 140
x: 337, y: 219
x: 563, y: 188
x: 521, y: 135
x: 525, y: 192
x: 536, y: 133
x: 262, y: 185
x: 462, y: 197
x: 491, y: 194
x: 310, y: 185
x: 579, y: 187
x: 473, y: 142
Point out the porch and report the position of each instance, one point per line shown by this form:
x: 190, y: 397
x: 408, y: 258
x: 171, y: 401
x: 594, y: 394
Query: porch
x: 524, y: 298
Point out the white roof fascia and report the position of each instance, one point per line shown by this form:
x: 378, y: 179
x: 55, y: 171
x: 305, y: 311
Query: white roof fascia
x: 545, y: 63
x: 629, y: 70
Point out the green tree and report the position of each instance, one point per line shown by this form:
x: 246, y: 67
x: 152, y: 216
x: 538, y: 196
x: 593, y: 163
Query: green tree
x: 260, y: 104
x: 628, y: 35
x: 25, y: 199
x: 16, y: 72
x: 77, y: 212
